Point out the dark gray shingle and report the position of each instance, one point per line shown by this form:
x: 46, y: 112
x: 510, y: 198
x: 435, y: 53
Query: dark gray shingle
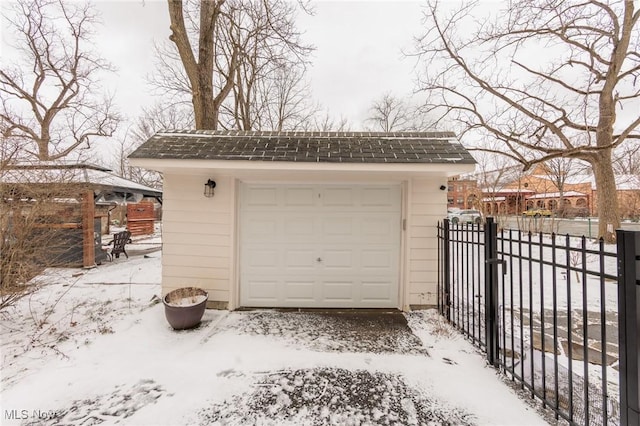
x: 346, y: 147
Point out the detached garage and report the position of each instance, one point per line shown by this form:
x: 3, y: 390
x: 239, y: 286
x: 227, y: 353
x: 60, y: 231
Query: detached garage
x: 303, y: 219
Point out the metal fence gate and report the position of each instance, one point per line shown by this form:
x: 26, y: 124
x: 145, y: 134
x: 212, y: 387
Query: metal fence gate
x: 545, y: 310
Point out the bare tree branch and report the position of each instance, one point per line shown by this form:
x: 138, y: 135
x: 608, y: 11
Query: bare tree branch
x: 240, y: 44
x: 49, y: 101
x: 565, y: 104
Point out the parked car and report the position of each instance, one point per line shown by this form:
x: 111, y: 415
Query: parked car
x: 453, y: 212
x: 465, y: 216
x: 537, y: 213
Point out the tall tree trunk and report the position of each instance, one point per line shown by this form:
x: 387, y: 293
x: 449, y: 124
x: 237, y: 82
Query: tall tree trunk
x: 200, y: 71
x: 208, y: 120
x: 561, y: 203
x: 608, y: 212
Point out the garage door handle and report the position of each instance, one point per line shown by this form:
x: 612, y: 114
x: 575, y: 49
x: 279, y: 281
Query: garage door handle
x: 319, y: 259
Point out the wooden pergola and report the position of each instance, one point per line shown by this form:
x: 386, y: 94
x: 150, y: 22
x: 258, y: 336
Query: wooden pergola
x: 72, y: 185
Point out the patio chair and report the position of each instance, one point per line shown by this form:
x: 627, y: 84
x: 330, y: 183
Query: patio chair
x: 120, y: 240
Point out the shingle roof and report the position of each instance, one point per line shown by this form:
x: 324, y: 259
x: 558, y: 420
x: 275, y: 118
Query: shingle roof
x: 72, y: 174
x: 343, y: 147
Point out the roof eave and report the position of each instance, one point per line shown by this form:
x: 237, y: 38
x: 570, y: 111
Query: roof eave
x: 116, y: 188
x: 449, y: 168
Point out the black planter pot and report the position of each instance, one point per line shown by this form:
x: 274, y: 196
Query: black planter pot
x: 184, y: 307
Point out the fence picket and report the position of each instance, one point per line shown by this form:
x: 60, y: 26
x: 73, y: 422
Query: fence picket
x: 550, y: 300
x: 629, y: 326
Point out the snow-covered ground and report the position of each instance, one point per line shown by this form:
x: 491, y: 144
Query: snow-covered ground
x: 94, y: 347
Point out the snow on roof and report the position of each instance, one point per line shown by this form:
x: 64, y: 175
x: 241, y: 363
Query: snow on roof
x: 79, y: 174
x: 306, y: 147
x: 557, y: 195
x: 512, y: 191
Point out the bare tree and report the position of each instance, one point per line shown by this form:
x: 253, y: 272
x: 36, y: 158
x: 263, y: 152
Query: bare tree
x: 125, y: 146
x: 627, y: 166
x: 627, y: 159
x: 10, y: 150
x: 160, y: 117
x: 270, y: 48
x: 391, y: 113
x: 285, y: 95
x: 199, y: 69
x: 49, y: 100
x: 493, y: 173
x: 559, y: 170
x: 281, y: 101
x: 238, y: 42
x: 388, y: 114
x: 324, y: 122
x: 169, y: 80
x: 156, y: 118
x: 569, y: 105
x: 39, y: 226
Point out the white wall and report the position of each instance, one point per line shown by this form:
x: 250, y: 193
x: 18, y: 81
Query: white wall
x: 197, y: 235
x: 427, y: 205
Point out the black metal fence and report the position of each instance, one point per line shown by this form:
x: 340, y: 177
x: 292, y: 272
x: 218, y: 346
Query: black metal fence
x: 544, y: 308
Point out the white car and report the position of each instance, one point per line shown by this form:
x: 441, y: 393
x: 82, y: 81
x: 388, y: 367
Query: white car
x: 465, y: 216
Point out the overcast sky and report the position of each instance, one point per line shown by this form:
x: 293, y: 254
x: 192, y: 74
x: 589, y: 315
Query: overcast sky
x: 358, y: 52
x: 358, y: 55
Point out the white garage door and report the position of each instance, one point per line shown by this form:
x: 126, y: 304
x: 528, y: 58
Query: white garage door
x: 321, y: 246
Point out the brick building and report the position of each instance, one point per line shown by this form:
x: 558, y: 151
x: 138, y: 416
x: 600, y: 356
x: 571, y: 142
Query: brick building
x: 462, y: 192
x: 511, y: 191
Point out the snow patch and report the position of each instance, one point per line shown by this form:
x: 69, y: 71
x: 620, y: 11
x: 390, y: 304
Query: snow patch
x: 187, y: 301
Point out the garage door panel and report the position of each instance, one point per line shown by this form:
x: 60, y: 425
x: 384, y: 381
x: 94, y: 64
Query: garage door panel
x: 372, y: 260
x: 342, y: 227
x: 296, y: 197
x: 300, y: 259
x: 298, y: 227
x: 338, y: 291
x: 262, y: 258
x: 262, y: 197
x: 378, y: 226
x: 375, y: 291
x: 300, y: 290
x: 262, y: 291
x: 261, y: 227
x: 337, y: 259
x: 333, y: 197
x: 380, y: 197
x: 320, y: 246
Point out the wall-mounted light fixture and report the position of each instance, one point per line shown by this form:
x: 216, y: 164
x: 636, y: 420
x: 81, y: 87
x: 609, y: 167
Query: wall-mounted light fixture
x: 208, y: 188
x: 442, y: 187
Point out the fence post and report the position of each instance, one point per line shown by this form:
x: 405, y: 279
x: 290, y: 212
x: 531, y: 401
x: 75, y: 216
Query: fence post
x: 491, y: 290
x: 629, y: 325
x: 446, y: 269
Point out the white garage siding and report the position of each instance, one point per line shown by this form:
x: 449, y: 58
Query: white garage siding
x: 201, y: 239
x: 427, y: 205
x: 197, y: 235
